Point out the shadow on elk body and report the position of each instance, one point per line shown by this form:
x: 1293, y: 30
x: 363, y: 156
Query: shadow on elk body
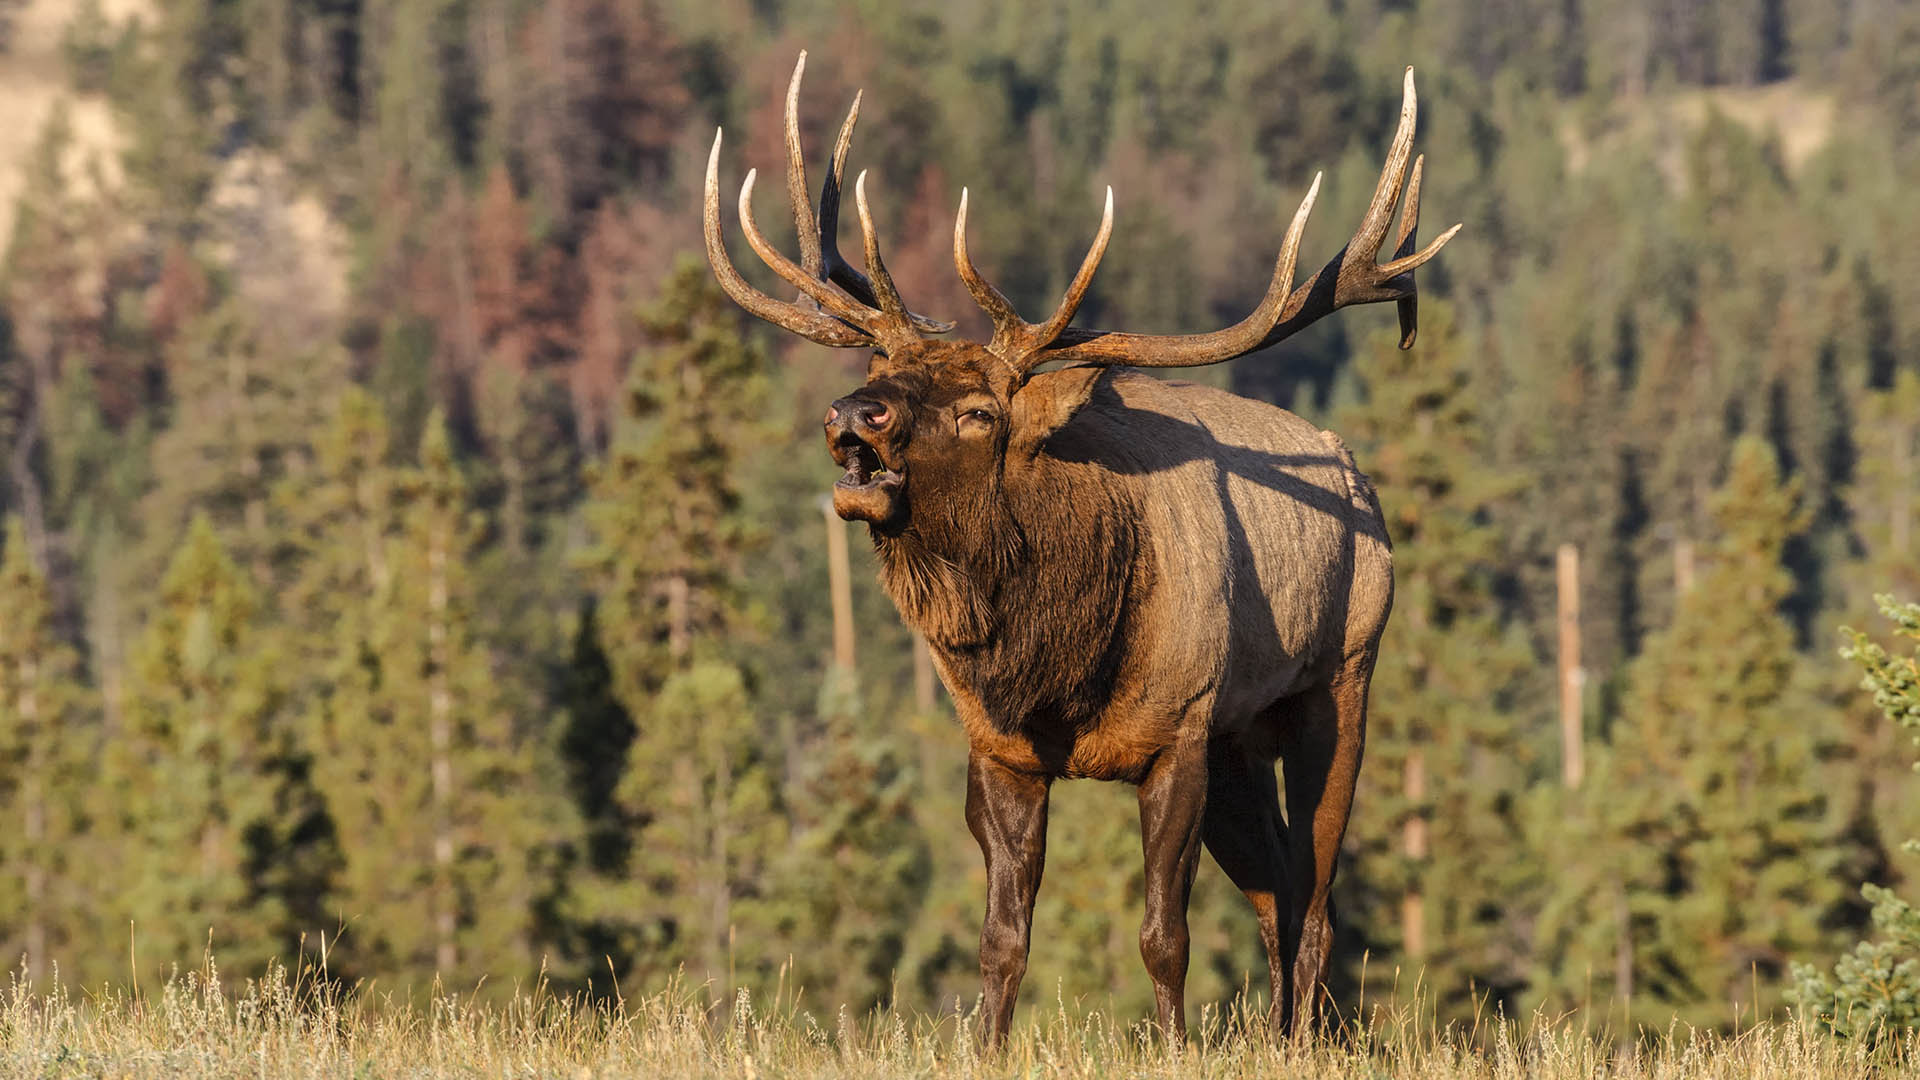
x: 1120, y: 577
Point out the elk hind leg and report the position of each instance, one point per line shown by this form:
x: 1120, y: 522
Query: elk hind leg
x: 1321, y: 755
x: 1243, y: 830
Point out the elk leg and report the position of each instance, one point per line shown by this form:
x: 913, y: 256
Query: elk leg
x: 1242, y: 829
x: 1173, y: 801
x: 1322, y: 761
x: 1007, y: 814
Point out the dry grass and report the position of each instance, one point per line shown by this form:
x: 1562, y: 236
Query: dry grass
x: 293, y: 1027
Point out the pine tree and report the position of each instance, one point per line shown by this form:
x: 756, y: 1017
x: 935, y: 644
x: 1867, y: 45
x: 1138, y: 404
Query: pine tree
x: 441, y: 818
x: 1442, y: 871
x: 209, y: 802
x: 1883, y: 505
x: 1698, y: 858
x: 670, y: 539
x: 47, y: 742
x: 665, y: 505
x: 343, y: 517
x: 244, y: 415
x: 1875, y: 990
x: 859, y: 864
x: 701, y: 874
x: 1883, y: 501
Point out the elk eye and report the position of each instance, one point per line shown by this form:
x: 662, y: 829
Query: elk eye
x: 979, y: 416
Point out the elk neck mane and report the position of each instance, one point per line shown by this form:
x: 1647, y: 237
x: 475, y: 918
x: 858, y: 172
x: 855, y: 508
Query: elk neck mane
x: 993, y: 580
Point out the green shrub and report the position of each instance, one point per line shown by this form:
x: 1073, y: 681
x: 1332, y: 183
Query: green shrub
x: 1876, y: 988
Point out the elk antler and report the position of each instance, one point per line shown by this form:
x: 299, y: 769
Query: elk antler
x: 1013, y: 337
x: 869, y: 312
x: 1351, y: 277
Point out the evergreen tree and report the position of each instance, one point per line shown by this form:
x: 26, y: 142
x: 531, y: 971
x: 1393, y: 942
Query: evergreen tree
x: 343, y: 517
x: 441, y: 818
x: 1883, y: 506
x: 1875, y: 990
x: 701, y: 888
x: 670, y: 538
x: 47, y: 742
x: 210, y: 802
x: 857, y: 870
x: 245, y: 413
x: 1697, y: 860
x: 1443, y: 870
x: 665, y: 504
x: 505, y: 177
x: 1883, y: 503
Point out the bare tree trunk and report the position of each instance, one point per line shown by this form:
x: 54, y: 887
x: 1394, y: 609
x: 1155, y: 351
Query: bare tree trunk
x: 26, y: 487
x: 840, y: 581
x: 1413, y: 787
x: 370, y: 537
x: 213, y: 833
x: 719, y: 877
x: 33, y: 832
x: 1634, y: 57
x: 255, y: 512
x: 1572, y: 760
x: 103, y: 630
x: 1682, y: 568
x: 1623, y: 949
x: 1413, y: 906
x: 679, y: 618
x: 1901, y: 536
x: 440, y: 734
x: 467, y: 330
x: 556, y: 121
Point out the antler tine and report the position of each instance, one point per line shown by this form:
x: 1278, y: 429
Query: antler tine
x: 1409, y: 307
x: 1354, y: 276
x: 828, y: 234
x: 811, y: 325
x: 889, y: 297
x: 804, y: 224
x: 833, y: 266
x: 1016, y: 340
x: 1192, y: 350
x: 1077, y: 289
x: 1404, y: 260
x: 1365, y: 246
x: 1007, y: 323
x: 1361, y: 280
x: 809, y: 284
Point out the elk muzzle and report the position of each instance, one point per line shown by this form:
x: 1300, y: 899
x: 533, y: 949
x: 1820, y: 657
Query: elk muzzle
x: 872, y: 489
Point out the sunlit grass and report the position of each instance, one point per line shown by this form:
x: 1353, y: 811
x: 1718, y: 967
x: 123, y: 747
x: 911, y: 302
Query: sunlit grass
x: 291, y: 1025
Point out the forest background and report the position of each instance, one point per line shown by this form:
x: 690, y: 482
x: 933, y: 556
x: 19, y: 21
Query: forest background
x: 412, y: 561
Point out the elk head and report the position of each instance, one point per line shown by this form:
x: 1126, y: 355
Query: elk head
x: 944, y: 424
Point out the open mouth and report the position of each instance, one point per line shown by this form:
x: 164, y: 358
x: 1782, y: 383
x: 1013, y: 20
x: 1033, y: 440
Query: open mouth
x: 869, y: 491
x: 866, y: 470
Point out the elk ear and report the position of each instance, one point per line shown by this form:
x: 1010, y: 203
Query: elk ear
x: 1048, y: 400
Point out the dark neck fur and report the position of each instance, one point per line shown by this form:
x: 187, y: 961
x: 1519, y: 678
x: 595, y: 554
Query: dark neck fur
x: 1022, y: 596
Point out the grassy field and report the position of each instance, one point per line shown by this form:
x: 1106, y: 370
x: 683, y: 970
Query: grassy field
x: 201, y: 1026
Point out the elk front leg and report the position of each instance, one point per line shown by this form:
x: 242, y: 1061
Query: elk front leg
x: 1007, y: 813
x: 1173, y: 802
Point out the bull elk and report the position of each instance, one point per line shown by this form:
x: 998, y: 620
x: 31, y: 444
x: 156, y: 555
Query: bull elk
x: 1120, y: 577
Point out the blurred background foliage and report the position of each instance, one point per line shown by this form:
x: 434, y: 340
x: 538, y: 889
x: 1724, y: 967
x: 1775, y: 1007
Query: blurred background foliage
x: 412, y: 559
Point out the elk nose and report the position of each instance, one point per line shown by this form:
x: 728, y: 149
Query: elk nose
x: 858, y: 413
